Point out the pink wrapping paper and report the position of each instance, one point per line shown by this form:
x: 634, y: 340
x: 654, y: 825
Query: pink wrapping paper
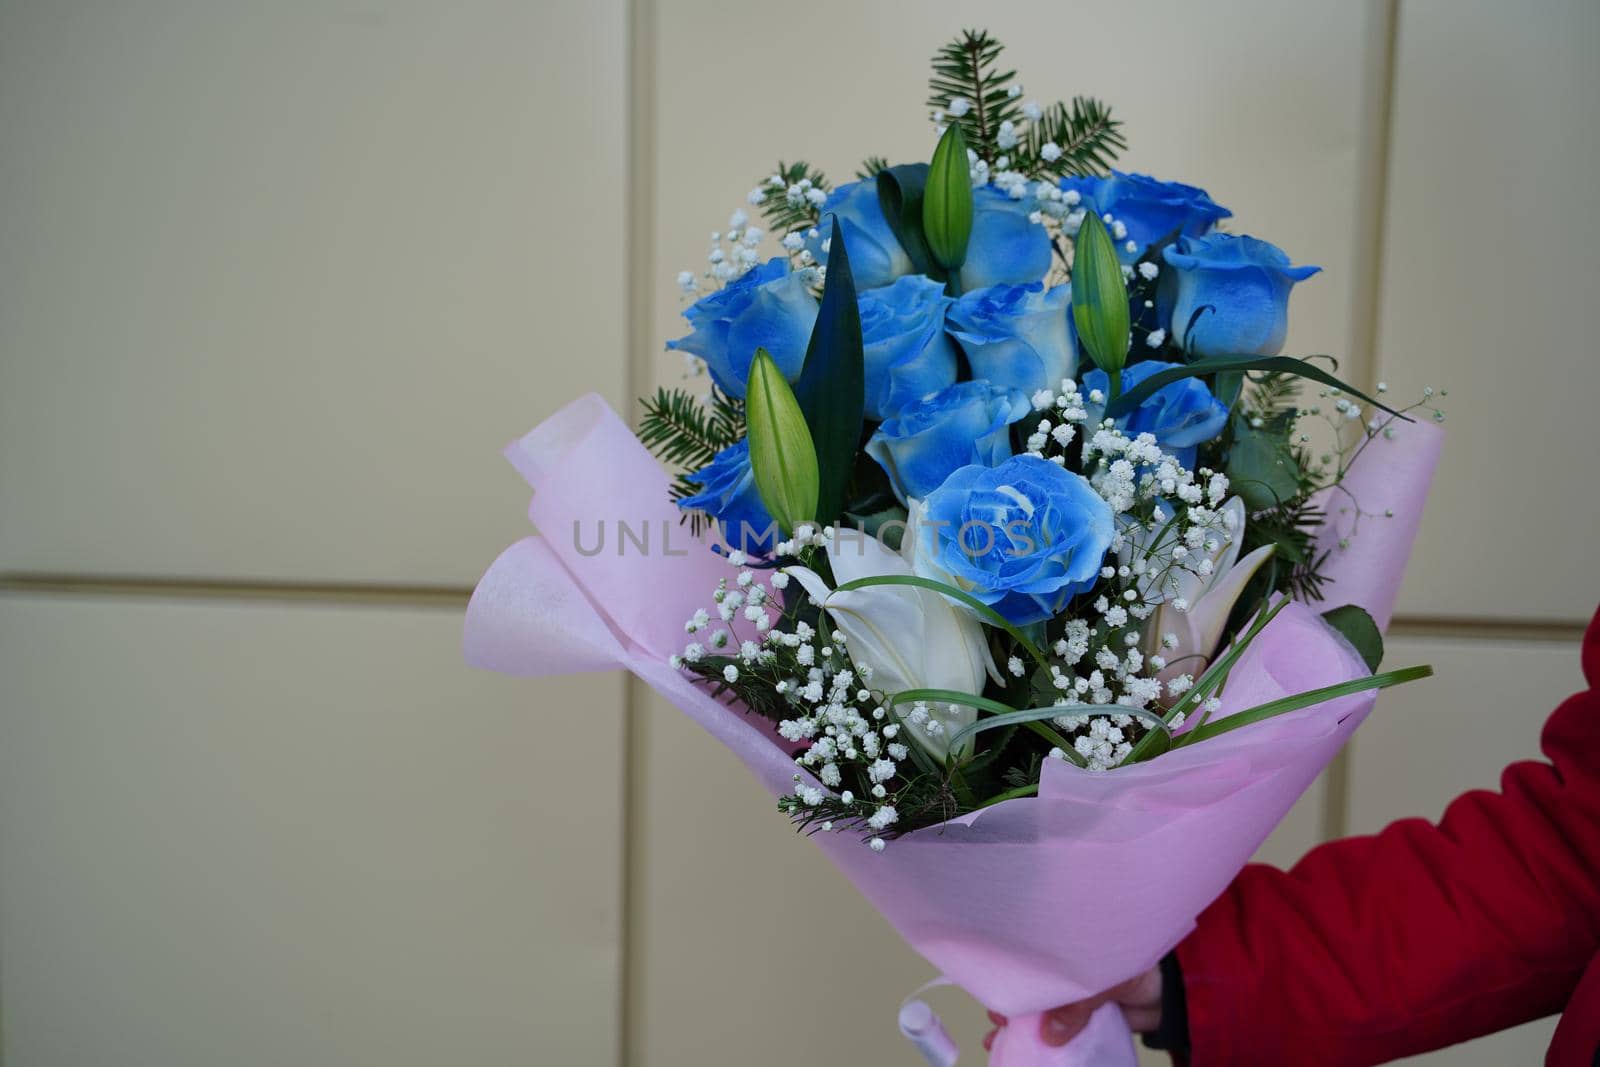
x: 1029, y: 904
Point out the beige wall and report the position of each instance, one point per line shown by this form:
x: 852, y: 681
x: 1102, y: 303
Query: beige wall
x: 277, y: 281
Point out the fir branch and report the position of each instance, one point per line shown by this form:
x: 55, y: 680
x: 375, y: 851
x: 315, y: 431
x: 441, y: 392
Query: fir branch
x: 1089, y: 139
x: 1272, y: 395
x: 679, y: 429
x: 966, y: 69
x: 686, y: 432
x: 784, y: 204
x: 871, y: 167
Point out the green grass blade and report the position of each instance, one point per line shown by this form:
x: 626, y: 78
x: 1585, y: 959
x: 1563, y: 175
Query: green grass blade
x: 1273, y: 708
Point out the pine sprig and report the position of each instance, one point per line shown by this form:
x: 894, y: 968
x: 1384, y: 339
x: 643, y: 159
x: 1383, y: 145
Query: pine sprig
x: 686, y: 432
x: 784, y: 204
x: 1089, y: 138
x: 1272, y: 395
x: 871, y: 167
x: 966, y: 69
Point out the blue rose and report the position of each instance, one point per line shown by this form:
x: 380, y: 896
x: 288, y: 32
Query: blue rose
x: 767, y: 307
x: 876, y: 257
x: 969, y: 422
x: 728, y: 494
x: 1181, y: 415
x: 1005, y: 248
x: 1017, y: 336
x: 1230, y: 294
x: 1023, y: 537
x: 1148, y: 209
x: 908, y: 355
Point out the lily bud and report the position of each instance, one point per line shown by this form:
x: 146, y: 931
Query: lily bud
x: 947, y: 200
x: 1100, y: 299
x: 782, y: 455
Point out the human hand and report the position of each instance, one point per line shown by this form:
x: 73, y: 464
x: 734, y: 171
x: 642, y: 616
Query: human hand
x: 1139, y: 998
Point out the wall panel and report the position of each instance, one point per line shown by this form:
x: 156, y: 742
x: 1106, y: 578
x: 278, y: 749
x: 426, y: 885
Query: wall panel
x: 1488, y: 266
x: 277, y: 281
x: 271, y: 834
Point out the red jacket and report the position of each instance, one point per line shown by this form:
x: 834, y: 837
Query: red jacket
x: 1421, y: 936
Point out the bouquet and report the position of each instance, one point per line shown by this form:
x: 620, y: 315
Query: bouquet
x: 996, y: 544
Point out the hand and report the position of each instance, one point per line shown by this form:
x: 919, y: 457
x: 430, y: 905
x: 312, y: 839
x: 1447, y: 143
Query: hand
x: 1139, y: 998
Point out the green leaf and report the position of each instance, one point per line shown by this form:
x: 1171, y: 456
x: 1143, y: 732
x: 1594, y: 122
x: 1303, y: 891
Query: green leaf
x: 782, y: 456
x: 900, y: 192
x: 970, y: 700
x: 1027, y: 715
x: 1262, y: 471
x: 947, y: 201
x: 1271, y: 709
x: 1357, y: 627
x: 1100, y: 299
x: 1151, y: 744
x: 831, y: 388
x: 1283, y: 364
x: 887, y: 525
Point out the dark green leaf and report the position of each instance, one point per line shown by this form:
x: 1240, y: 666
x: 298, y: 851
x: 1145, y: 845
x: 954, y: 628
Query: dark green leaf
x: 900, y: 198
x: 832, y: 384
x: 1284, y: 364
x: 888, y: 525
x: 1269, y: 710
x: 1262, y: 471
x: 1357, y: 627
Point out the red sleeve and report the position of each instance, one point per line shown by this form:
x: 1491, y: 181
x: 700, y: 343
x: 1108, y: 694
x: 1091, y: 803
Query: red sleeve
x: 1373, y: 948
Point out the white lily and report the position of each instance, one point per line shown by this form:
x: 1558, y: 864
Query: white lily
x: 907, y: 637
x: 1210, y: 598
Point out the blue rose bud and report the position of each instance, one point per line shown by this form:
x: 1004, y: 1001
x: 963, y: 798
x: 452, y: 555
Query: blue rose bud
x: 728, y: 494
x: 908, y: 355
x: 1148, y: 209
x: 1023, y: 537
x: 1182, y: 415
x: 768, y: 307
x: 967, y: 423
x: 1005, y: 248
x: 876, y: 257
x: 1016, y: 336
x: 1230, y: 294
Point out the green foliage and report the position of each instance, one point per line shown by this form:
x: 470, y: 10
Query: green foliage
x: 1203, y: 367
x: 686, y: 432
x: 871, y: 167
x: 967, y: 68
x: 1275, y: 478
x: 900, y: 193
x: 1357, y: 627
x: 1262, y: 469
x: 782, y: 215
x: 832, y: 387
x: 1089, y: 138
